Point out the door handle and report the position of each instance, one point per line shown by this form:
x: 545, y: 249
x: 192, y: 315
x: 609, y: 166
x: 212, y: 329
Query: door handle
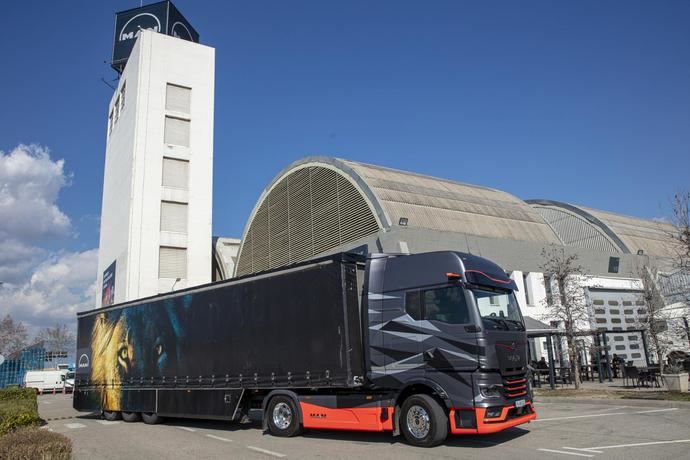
x: 428, y: 355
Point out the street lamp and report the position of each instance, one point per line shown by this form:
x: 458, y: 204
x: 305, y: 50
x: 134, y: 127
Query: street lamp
x: 173, y: 286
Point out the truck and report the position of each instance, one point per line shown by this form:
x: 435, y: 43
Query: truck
x: 421, y: 345
x: 50, y: 380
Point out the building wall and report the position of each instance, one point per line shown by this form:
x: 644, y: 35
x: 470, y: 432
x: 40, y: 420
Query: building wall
x: 133, y: 191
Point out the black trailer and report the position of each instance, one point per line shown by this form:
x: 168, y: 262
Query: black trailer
x: 340, y: 342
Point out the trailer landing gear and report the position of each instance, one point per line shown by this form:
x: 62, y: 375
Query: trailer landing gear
x: 423, y: 421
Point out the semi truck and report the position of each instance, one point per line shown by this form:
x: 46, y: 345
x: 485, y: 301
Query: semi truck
x: 421, y: 345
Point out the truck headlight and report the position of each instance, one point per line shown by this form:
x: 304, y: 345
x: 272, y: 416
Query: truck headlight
x: 491, y: 391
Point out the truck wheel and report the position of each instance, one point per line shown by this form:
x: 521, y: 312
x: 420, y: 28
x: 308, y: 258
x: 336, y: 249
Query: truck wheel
x: 111, y: 416
x: 423, y: 421
x: 282, y: 417
x: 131, y: 416
x: 151, y: 418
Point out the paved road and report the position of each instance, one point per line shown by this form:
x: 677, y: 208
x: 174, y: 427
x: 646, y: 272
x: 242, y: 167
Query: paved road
x: 566, y: 430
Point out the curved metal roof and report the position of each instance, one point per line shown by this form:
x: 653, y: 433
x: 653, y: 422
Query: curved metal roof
x: 446, y: 205
x: 589, y: 228
x: 318, y: 203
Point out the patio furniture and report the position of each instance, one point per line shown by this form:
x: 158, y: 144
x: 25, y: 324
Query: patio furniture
x: 633, y: 374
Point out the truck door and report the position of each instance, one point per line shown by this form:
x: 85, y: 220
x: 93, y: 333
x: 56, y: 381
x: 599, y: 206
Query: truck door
x: 452, y: 345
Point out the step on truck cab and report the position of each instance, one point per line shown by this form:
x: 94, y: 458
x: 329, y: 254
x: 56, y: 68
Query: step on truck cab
x: 421, y: 345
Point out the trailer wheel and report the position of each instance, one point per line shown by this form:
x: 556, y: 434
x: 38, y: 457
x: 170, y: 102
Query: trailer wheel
x: 151, y: 418
x: 131, y: 416
x: 282, y: 417
x: 423, y: 421
x: 112, y: 415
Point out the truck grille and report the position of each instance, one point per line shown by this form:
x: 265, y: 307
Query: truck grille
x: 515, y: 386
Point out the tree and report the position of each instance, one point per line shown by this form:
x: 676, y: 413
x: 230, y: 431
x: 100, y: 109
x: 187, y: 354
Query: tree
x: 56, y: 339
x: 681, y: 220
x: 654, y: 319
x: 568, y: 303
x: 13, y: 336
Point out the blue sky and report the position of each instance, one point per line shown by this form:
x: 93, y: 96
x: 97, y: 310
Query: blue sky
x: 585, y: 102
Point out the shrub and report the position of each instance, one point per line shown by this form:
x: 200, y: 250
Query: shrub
x: 34, y: 443
x: 18, y: 408
x: 15, y: 393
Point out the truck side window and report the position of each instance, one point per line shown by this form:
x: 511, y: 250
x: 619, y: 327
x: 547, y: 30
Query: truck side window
x: 447, y: 305
x: 413, y: 306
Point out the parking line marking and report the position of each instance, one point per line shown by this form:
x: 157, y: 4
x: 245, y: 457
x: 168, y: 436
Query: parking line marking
x: 267, y: 452
x: 72, y: 426
x: 218, y: 438
x: 107, y: 422
x: 580, y: 416
x: 186, y: 428
x: 583, y: 449
x: 640, y: 444
x: 656, y: 410
x: 565, y: 453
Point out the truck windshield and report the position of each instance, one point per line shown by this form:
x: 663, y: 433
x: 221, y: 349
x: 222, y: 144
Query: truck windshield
x: 499, y: 309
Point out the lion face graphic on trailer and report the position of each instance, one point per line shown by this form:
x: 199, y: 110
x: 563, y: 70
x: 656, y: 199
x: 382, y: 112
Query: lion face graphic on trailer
x: 120, y: 353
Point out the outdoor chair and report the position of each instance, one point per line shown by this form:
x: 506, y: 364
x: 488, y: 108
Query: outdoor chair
x: 633, y: 374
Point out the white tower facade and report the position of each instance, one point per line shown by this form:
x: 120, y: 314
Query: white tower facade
x: 157, y: 192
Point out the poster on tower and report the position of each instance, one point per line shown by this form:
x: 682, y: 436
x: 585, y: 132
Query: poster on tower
x: 108, y: 292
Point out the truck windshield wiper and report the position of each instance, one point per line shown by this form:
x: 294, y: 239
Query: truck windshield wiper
x: 498, y: 320
x: 518, y: 324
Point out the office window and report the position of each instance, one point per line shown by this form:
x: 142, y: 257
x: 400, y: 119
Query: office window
x: 613, y: 264
x: 528, y: 301
x: 172, y: 263
x: 614, y: 311
x: 110, y: 122
x: 176, y: 131
x: 116, y: 108
x: 173, y: 217
x: 598, y: 302
x: 175, y: 173
x: 178, y: 98
x: 122, y: 96
x: 413, y: 305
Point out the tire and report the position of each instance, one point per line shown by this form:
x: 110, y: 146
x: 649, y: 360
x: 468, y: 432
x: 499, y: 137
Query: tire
x: 282, y: 417
x: 111, y: 416
x: 131, y: 417
x: 151, y: 418
x: 423, y: 421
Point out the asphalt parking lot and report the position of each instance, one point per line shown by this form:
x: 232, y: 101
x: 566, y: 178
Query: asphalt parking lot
x: 583, y: 429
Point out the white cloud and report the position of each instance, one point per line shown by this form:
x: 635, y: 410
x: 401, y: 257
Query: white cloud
x: 29, y: 185
x: 38, y: 287
x: 59, y: 288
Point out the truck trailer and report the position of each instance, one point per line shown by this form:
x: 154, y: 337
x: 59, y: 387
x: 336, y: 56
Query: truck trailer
x: 423, y: 344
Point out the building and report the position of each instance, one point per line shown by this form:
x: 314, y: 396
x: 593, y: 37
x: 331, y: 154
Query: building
x: 157, y: 192
x: 320, y: 205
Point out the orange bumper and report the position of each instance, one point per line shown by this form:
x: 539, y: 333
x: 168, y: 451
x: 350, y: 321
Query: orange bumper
x: 485, y: 425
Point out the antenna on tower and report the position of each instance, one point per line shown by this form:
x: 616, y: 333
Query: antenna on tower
x: 109, y: 85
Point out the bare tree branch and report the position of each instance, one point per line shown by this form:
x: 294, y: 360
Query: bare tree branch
x: 567, y: 301
x: 13, y: 336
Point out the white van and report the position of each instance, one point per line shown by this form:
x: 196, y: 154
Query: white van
x: 49, y: 380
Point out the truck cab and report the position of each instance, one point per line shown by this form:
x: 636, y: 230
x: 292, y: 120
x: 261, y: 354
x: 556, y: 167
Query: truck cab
x: 448, y: 324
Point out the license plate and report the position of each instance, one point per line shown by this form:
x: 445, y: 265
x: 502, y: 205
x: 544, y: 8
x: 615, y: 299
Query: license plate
x: 520, y: 403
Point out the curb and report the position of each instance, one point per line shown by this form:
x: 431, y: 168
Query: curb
x: 611, y: 402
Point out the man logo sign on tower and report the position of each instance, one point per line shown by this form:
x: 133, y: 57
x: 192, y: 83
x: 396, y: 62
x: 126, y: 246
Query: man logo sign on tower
x: 161, y: 17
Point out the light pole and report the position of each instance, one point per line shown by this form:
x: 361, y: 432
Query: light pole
x: 173, y: 286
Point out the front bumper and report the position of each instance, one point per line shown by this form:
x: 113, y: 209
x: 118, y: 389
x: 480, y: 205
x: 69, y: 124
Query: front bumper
x: 475, y: 421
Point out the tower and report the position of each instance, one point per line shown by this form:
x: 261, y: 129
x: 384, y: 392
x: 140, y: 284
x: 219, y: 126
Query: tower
x: 157, y: 190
